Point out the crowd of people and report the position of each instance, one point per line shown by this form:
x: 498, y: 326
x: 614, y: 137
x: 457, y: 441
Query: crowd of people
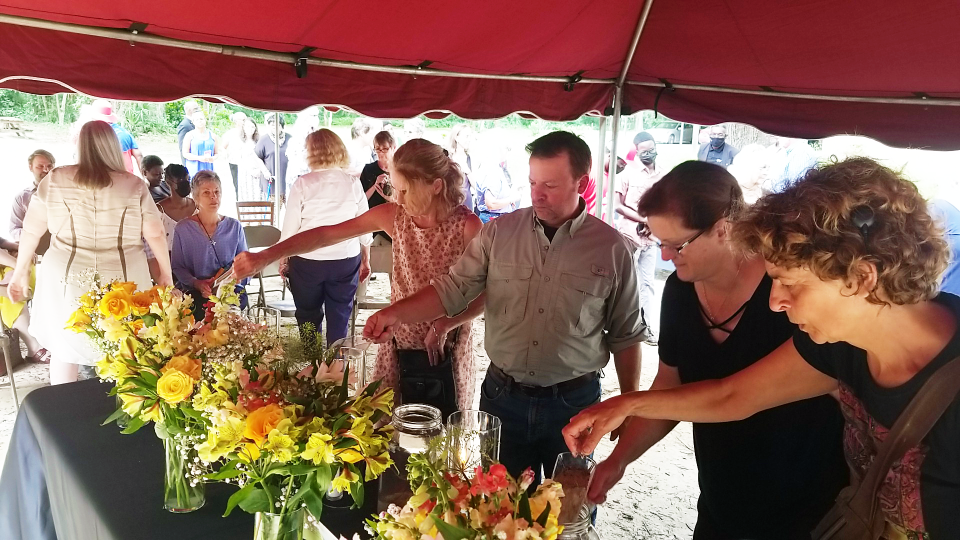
x: 807, y: 308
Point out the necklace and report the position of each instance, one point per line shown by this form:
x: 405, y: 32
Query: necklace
x: 705, y: 306
x: 204, y: 227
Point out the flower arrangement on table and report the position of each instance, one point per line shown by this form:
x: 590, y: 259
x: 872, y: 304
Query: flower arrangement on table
x: 153, y: 352
x: 485, y: 505
x: 287, y: 423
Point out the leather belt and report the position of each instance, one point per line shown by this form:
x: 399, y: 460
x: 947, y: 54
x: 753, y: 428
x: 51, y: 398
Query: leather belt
x: 540, y: 391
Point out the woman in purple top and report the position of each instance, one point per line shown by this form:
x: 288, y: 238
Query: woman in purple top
x: 205, y: 243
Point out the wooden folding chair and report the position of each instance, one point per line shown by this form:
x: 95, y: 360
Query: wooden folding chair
x: 255, y: 212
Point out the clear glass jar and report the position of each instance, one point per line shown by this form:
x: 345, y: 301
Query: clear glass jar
x: 581, y: 528
x: 414, y: 426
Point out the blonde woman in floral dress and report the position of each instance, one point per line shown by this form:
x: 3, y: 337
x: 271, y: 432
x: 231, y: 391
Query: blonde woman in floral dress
x: 430, y: 228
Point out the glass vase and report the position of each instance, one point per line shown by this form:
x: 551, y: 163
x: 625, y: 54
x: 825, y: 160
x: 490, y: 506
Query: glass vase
x: 181, y: 491
x: 286, y: 526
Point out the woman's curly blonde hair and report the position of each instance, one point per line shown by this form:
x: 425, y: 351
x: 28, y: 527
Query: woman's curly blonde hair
x: 811, y: 225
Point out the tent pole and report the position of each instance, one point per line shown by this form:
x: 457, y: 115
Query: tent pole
x: 601, y: 156
x: 644, y: 15
x: 276, y: 165
x: 617, y: 103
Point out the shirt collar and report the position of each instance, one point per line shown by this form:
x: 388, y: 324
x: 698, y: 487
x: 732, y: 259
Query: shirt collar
x: 575, y: 222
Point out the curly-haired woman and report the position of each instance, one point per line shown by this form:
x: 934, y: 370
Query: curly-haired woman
x: 856, y: 260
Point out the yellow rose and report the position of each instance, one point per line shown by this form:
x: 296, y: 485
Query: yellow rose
x: 174, y: 386
x: 116, y: 304
x: 262, y: 421
x: 79, y: 321
x: 184, y: 364
x: 127, y: 286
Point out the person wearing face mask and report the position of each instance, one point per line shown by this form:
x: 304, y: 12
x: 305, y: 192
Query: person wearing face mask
x: 631, y: 185
x: 174, y: 209
x: 716, y: 150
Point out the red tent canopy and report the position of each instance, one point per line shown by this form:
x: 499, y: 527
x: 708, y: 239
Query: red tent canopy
x: 809, y: 68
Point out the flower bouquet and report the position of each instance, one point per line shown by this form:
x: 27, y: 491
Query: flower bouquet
x: 450, y: 505
x: 285, y: 428
x: 152, y: 354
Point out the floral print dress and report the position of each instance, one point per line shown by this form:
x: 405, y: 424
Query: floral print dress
x: 419, y: 257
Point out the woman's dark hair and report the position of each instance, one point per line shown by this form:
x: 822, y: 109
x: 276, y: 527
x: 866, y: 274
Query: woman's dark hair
x: 552, y: 144
x: 698, y: 193
x: 176, y: 170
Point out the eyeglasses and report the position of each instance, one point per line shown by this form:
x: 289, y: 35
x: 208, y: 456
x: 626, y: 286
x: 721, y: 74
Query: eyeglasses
x: 680, y: 248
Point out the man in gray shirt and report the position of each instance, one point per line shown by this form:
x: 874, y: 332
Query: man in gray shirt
x: 561, y: 296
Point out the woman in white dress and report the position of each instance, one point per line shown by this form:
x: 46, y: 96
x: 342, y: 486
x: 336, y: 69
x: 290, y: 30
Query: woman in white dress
x: 98, y: 215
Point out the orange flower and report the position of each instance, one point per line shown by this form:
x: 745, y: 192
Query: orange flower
x: 143, y: 300
x: 262, y: 421
x: 189, y: 366
x: 127, y: 286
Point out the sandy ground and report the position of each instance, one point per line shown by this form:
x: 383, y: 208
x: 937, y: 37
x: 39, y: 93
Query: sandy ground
x: 655, y: 500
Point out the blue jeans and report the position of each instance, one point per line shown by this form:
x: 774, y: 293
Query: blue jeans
x: 324, y: 289
x: 531, y: 435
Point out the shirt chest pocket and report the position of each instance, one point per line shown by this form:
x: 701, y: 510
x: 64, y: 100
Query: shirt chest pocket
x: 581, y: 302
x: 507, y: 287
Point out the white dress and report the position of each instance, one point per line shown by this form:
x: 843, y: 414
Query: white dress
x: 98, y: 230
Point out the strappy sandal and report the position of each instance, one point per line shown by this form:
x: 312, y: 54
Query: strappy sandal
x: 41, y: 357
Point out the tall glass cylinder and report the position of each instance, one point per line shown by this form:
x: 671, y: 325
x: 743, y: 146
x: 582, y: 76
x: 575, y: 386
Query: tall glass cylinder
x: 287, y: 526
x: 182, y: 492
x: 473, y: 439
x: 414, y: 426
x: 353, y: 359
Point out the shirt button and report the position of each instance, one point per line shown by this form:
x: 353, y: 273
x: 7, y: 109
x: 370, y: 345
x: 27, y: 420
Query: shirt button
x: 535, y: 343
x: 533, y: 373
x: 540, y: 310
x: 546, y: 248
x: 547, y: 278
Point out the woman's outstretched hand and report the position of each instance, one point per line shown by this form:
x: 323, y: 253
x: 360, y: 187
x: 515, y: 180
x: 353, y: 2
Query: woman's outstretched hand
x: 586, y: 429
x: 247, y: 264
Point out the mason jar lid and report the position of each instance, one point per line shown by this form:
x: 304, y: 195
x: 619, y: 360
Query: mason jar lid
x: 417, y: 418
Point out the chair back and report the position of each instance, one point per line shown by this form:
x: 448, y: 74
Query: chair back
x: 255, y: 212
x: 261, y: 235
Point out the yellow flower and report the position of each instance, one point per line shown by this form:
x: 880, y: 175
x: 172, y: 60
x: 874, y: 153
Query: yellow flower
x: 128, y: 287
x: 249, y: 453
x: 280, y: 445
x: 184, y: 364
x: 116, y: 304
x: 318, y: 449
x: 376, y: 465
x: 130, y: 403
x: 174, y: 386
x: 344, y: 479
x: 87, y: 302
x: 79, y: 321
x: 262, y: 421
x: 349, y: 455
x: 209, y: 400
x: 152, y: 413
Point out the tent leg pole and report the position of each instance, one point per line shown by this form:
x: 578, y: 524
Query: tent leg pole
x: 601, y: 156
x: 617, y: 103
x: 276, y: 166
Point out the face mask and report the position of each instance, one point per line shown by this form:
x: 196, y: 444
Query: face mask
x: 183, y: 188
x: 648, y: 157
x: 716, y: 142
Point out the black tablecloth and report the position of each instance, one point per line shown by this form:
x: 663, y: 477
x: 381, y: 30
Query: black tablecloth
x: 67, y: 477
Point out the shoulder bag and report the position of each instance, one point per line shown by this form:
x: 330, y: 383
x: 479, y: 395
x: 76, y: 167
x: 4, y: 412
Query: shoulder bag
x: 856, y: 514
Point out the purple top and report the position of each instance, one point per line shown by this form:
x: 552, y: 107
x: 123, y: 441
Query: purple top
x: 197, y: 256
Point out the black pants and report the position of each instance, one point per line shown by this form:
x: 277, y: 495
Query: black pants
x: 235, y: 173
x: 325, y: 288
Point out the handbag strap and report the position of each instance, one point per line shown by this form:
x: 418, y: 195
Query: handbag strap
x: 453, y: 340
x: 913, y: 424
